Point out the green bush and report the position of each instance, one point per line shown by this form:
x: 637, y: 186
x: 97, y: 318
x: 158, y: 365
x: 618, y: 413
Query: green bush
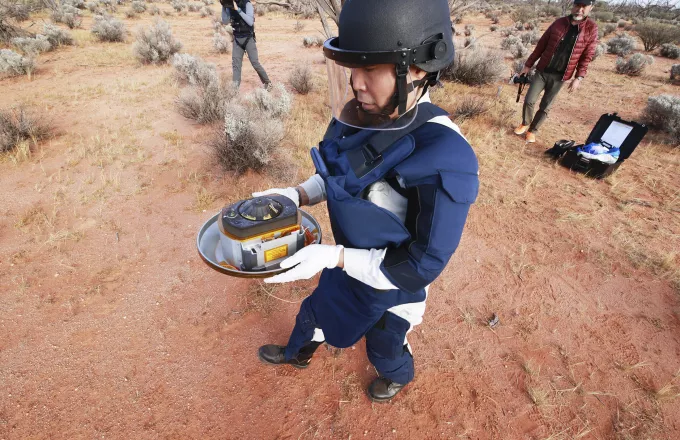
x: 654, y: 34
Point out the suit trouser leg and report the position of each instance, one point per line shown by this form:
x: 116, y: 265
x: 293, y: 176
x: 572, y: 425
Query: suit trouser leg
x: 387, y: 351
x: 305, y: 339
x: 251, y: 48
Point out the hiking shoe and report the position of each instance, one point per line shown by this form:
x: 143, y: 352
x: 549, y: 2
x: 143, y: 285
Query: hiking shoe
x: 530, y: 137
x: 521, y: 129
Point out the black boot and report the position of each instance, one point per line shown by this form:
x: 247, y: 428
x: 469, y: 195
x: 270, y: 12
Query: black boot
x: 383, y: 389
x: 275, y: 355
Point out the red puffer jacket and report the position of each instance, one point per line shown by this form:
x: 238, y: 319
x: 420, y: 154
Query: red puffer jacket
x: 581, y: 56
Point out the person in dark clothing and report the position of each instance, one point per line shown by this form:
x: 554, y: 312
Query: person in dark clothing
x: 398, y: 179
x: 241, y: 15
x: 565, y: 49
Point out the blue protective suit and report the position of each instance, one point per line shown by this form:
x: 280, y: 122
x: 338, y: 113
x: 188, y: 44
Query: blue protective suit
x: 435, y: 168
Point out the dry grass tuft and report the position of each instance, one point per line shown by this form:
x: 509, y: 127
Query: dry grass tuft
x: 470, y: 107
x: 350, y: 389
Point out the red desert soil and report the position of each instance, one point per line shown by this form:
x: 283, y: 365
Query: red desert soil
x: 111, y: 326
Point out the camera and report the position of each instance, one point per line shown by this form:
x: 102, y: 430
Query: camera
x: 521, y: 79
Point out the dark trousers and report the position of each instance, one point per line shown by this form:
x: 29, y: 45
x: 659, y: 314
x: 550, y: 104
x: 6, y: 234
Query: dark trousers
x: 551, y: 83
x: 237, y: 59
x: 384, y: 344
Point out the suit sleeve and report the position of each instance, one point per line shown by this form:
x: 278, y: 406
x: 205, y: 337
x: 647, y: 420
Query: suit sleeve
x: 437, y: 211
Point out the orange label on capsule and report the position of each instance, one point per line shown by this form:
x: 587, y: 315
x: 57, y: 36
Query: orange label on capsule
x: 276, y: 253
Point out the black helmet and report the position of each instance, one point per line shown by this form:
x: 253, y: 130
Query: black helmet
x: 400, y: 32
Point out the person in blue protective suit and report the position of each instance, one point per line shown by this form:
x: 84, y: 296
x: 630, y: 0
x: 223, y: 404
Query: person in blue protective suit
x: 398, y: 179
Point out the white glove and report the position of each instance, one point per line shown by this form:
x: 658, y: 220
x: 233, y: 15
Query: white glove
x: 289, y: 192
x: 310, y: 260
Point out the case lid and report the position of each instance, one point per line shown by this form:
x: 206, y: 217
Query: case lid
x: 617, y: 132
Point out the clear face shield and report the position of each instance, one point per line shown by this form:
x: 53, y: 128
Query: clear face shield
x: 367, y: 96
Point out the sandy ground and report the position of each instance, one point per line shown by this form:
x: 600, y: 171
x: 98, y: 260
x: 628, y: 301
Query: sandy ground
x: 112, y: 327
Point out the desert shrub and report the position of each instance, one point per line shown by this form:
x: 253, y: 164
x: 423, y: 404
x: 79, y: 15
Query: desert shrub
x: 523, y: 14
x: 633, y: 66
x: 655, y: 34
x: 205, y: 103
x: 495, y: 18
x: 621, y: 45
x: 675, y: 72
x: 469, y: 41
x: 195, y: 7
x: 530, y: 26
x: 602, y: 15
x: 206, y: 11
x: 529, y: 38
x: 18, y: 11
x: 32, y: 46
x: 608, y: 29
x: 670, y: 50
x: 260, y: 10
x: 312, y: 41
x: 193, y: 70
x: 130, y: 13
x: 79, y: 4
x: 138, y: 6
x: 663, y: 112
x: 475, y: 67
x: 154, y: 10
x: 18, y: 125
x: 599, y: 50
x: 469, y: 29
x: 303, y: 8
x: 178, y: 5
x: 493, y: 28
x: 73, y: 21
x: 252, y: 130
x: 221, y: 42
x: 301, y: 80
x: 14, y: 64
x: 57, y: 36
x: 91, y: 6
x: 275, y: 102
x: 519, y: 26
x: 621, y: 23
x: 519, y: 51
x: 510, y: 41
x: 107, y: 28
x: 551, y: 11
x: 156, y: 44
x: 69, y: 15
x: 508, y: 31
x: 469, y: 107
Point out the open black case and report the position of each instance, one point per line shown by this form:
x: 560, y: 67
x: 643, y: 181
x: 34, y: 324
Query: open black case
x: 610, y: 131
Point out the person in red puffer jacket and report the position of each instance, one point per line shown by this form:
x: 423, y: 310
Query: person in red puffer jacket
x: 566, y: 48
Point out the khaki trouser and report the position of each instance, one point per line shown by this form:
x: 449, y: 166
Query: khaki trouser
x: 552, y: 84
